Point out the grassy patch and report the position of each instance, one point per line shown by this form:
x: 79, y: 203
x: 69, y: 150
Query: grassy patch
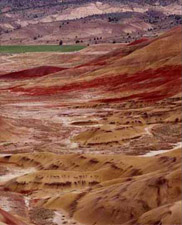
x: 40, y: 48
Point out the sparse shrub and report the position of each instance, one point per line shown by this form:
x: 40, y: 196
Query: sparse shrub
x: 60, y: 42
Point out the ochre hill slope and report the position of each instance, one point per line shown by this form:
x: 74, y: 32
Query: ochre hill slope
x: 113, y: 189
x: 9, y: 130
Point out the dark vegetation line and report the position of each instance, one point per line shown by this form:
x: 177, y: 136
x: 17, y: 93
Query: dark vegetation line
x: 16, y: 9
x: 73, y: 2
x: 38, y: 6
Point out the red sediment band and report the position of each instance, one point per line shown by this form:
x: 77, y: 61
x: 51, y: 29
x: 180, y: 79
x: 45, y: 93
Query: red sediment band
x: 10, y: 219
x: 32, y: 73
x: 138, y: 41
x: 166, y: 80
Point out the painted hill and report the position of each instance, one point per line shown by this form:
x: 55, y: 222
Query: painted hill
x: 96, y: 143
x: 148, y: 187
x: 131, y: 76
x: 138, y: 63
x: 8, y: 219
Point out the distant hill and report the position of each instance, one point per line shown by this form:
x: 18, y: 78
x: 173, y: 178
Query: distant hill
x: 45, y: 21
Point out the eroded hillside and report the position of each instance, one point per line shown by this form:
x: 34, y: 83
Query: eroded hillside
x: 92, y: 137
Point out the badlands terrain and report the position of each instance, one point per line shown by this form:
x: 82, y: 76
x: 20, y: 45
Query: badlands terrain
x: 92, y: 137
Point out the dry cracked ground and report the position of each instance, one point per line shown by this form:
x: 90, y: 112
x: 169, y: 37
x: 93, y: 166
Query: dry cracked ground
x: 92, y: 137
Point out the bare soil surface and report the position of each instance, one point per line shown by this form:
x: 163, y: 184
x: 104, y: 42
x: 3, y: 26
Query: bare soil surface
x: 92, y: 137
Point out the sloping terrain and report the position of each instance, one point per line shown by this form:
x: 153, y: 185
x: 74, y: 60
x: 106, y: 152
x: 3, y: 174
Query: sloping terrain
x: 7, y: 219
x: 32, y: 73
x: 102, y: 21
x: 103, y: 189
x: 118, y: 99
x: 92, y: 137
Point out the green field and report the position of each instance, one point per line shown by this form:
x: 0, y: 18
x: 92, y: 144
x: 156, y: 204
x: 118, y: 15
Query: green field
x: 40, y: 48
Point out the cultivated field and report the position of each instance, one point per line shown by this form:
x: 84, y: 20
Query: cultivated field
x: 39, y: 48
